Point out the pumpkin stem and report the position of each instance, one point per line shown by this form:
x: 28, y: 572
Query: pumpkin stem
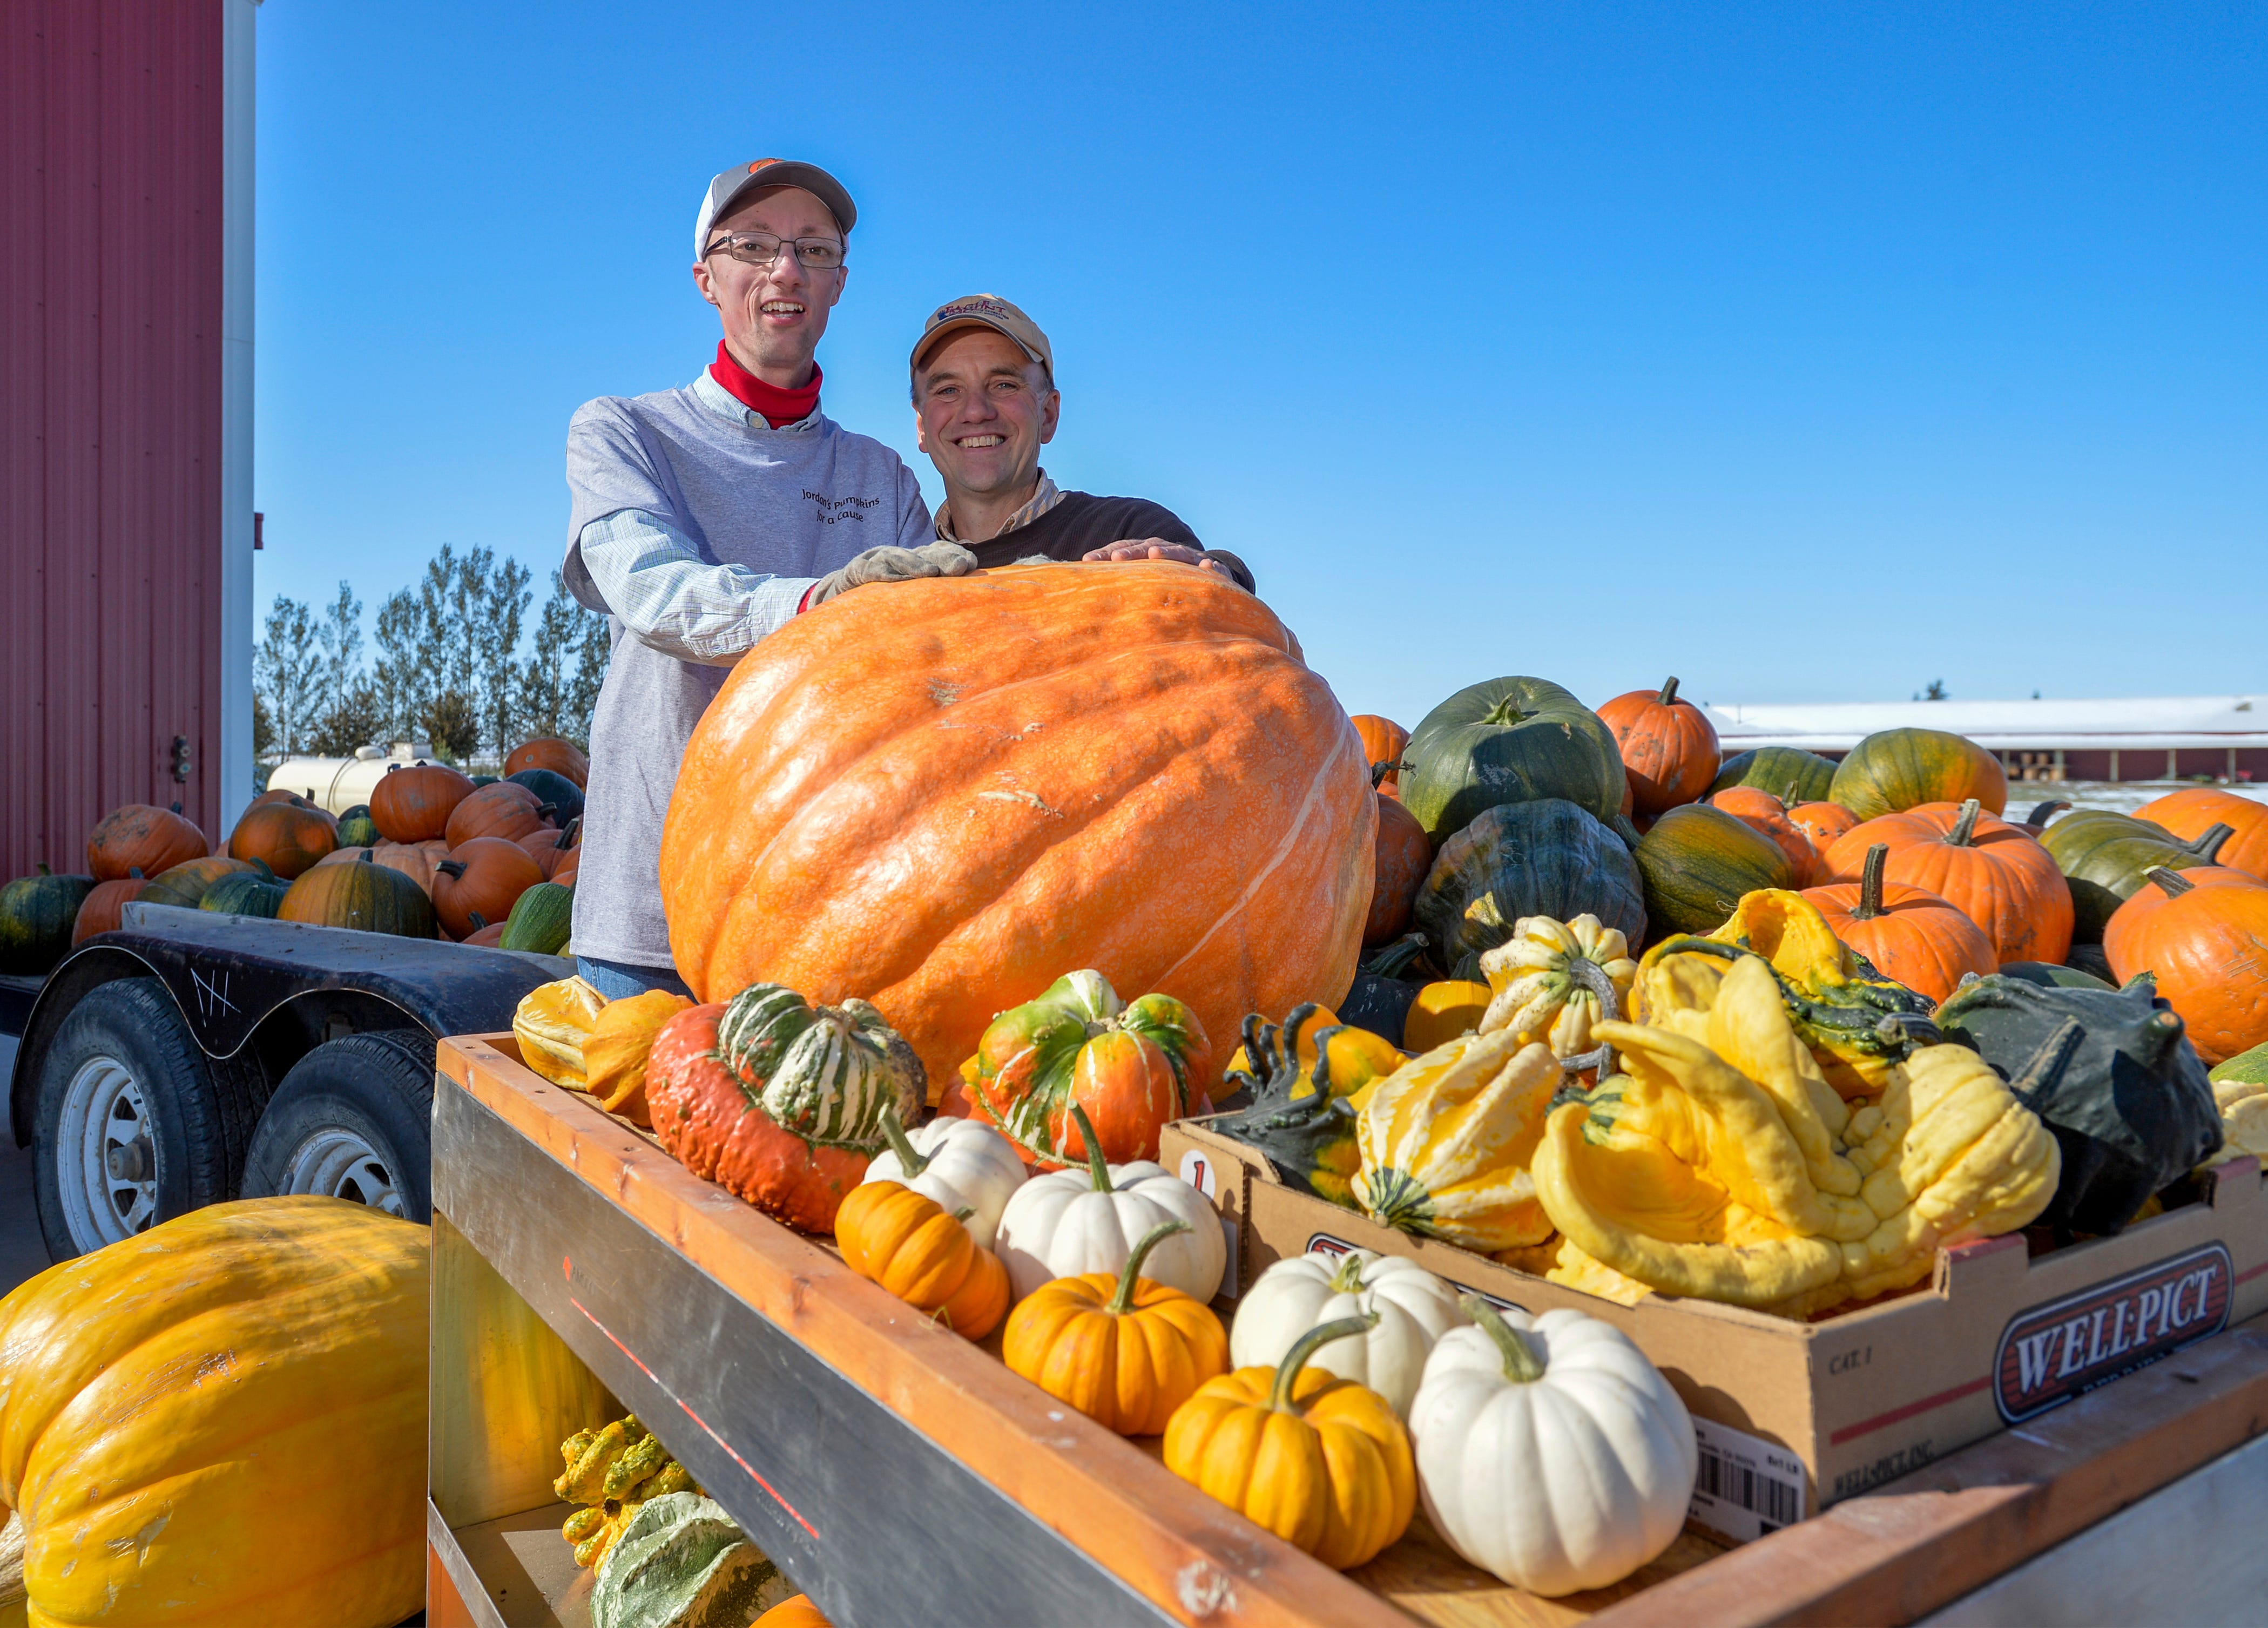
x: 1122, y: 1302
x: 1788, y: 798
x: 133, y: 871
x: 478, y: 921
x: 1389, y: 961
x: 1519, y: 1364
x: 1668, y: 695
x: 2207, y: 846
x: 2169, y: 881
x: 964, y: 1212
x: 1098, y: 1169
x: 2047, y: 1064
x: 2037, y: 820
x: 1963, y: 834
x: 1505, y: 711
x: 2144, y: 979
x: 573, y: 834
x: 261, y: 865
x: 453, y: 869
x: 44, y: 870
x: 366, y: 854
x: 893, y: 1133
x: 1870, y: 883
x: 1287, y: 1372
x: 1346, y: 1278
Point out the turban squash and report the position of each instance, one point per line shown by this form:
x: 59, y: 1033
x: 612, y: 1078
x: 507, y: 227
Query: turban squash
x: 223, y: 1409
x: 940, y: 797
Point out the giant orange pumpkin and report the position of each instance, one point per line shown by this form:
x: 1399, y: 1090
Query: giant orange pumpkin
x: 1910, y: 935
x: 940, y: 796
x: 2207, y: 948
x: 2190, y: 813
x: 291, y: 837
x: 2160, y: 885
x: 1670, y: 748
x: 1992, y: 872
x: 413, y: 805
x: 138, y: 837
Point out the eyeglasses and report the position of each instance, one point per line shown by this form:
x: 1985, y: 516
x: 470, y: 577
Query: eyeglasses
x: 760, y: 248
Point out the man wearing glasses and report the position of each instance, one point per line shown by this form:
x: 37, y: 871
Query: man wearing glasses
x: 984, y: 403
x: 703, y: 517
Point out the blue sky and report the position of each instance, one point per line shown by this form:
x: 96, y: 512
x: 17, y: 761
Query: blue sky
x: 1808, y: 353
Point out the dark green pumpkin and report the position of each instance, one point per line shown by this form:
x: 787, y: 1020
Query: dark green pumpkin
x: 372, y: 898
x: 564, y: 796
x: 1548, y: 858
x: 541, y: 919
x: 1789, y: 773
x: 2090, y: 958
x: 2107, y: 856
x: 359, y: 831
x: 184, y: 885
x: 480, y: 780
x: 2111, y: 1074
x: 1508, y: 741
x: 1380, y: 997
x: 1893, y: 770
x: 1309, y: 1140
x: 1696, y: 862
x: 360, y: 811
x: 36, y: 914
x: 255, y: 890
x: 2047, y: 975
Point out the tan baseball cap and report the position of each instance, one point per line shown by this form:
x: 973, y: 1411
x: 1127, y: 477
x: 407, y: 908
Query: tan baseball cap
x: 984, y: 311
x: 728, y: 189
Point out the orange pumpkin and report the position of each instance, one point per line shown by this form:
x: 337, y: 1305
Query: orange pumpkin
x: 292, y: 837
x: 939, y: 797
x: 279, y: 796
x: 1404, y: 856
x: 1670, y: 748
x: 1991, y: 871
x: 103, y: 908
x: 2161, y: 886
x: 1383, y: 741
x: 563, y: 868
x: 550, y: 846
x: 414, y: 861
x: 799, y: 1612
x: 486, y: 877
x: 2190, y: 813
x: 506, y: 810
x: 1821, y: 822
x: 562, y: 757
x: 413, y: 805
x: 1763, y: 812
x: 138, y: 837
x: 1910, y: 935
x: 2207, y: 948
x: 487, y: 934
x: 905, y: 1241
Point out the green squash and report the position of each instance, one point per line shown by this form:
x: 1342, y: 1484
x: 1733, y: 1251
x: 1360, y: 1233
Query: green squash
x: 1548, y: 858
x: 1894, y: 770
x: 1696, y: 863
x: 1308, y: 1139
x: 554, y: 791
x: 540, y: 920
x: 1508, y: 741
x: 255, y: 890
x: 2107, y: 856
x: 2246, y: 1068
x: 2048, y: 975
x: 681, y: 1563
x: 1787, y: 772
x: 36, y: 913
x: 2111, y: 1074
x: 184, y: 885
x: 1623, y: 827
x: 360, y: 811
x: 359, y: 831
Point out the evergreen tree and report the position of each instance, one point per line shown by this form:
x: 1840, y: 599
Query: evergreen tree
x: 288, y: 672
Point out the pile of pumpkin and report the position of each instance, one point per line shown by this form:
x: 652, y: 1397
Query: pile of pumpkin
x: 1345, y: 1392
x: 482, y: 859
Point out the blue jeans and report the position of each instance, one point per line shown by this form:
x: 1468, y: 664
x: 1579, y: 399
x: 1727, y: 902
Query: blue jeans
x: 619, y: 980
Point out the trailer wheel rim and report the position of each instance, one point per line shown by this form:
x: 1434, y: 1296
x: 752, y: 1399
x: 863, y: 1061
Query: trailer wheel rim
x: 106, y: 1155
x: 339, y: 1164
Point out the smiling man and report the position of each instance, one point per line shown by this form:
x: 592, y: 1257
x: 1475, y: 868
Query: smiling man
x: 984, y: 403
x: 705, y: 517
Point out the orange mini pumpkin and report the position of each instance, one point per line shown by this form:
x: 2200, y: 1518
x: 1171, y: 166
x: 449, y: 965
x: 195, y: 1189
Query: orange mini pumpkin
x: 1404, y: 857
x: 1383, y: 741
x: 484, y: 877
x: 798, y: 1612
x: 1670, y: 748
x: 291, y: 837
x: 1991, y: 871
x: 905, y: 1241
x: 413, y: 805
x: 507, y: 811
x: 2194, y: 810
x: 562, y: 757
x: 139, y: 837
x: 1909, y: 934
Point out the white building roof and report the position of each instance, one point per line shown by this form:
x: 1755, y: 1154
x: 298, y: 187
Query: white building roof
x: 2140, y: 724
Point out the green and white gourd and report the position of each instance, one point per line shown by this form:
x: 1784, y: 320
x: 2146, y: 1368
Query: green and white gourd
x: 682, y: 1564
x: 826, y: 1072
x: 1415, y: 1309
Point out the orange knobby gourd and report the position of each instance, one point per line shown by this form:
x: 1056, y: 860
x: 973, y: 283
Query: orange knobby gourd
x: 1383, y: 742
x: 1821, y: 822
x: 1670, y: 748
x: 2206, y: 943
x: 2194, y: 810
x: 413, y: 805
x: 1122, y: 1350
x: 290, y: 838
x: 1763, y: 812
x: 905, y: 1241
x: 1404, y: 856
x: 939, y: 797
x: 1909, y: 934
x: 484, y: 877
x: 139, y: 837
x: 506, y: 810
x: 1991, y: 871
x: 562, y: 757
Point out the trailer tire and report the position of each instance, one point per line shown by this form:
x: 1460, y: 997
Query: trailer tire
x: 132, y: 1125
x: 353, y: 1119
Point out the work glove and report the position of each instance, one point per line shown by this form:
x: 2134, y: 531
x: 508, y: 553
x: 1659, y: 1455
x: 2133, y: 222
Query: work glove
x: 893, y: 564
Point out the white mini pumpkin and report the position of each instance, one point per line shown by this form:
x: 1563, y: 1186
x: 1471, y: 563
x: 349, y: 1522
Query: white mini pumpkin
x: 1415, y: 1309
x: 963, y: 1164
x: 1549, y: 1451
x: 1088, y: 1220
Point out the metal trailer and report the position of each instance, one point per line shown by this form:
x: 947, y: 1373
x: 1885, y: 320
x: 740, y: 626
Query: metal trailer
x: 192, y: 1058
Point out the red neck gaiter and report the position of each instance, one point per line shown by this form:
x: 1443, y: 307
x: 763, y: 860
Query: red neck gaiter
x: 779, y: 407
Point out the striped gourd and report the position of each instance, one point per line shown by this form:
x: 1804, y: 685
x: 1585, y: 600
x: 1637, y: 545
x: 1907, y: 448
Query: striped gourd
x: 824, y: 1073
x: 1446, y: 1139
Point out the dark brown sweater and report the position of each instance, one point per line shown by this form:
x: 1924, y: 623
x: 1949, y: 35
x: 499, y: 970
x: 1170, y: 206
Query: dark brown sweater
x: 1082, y: 521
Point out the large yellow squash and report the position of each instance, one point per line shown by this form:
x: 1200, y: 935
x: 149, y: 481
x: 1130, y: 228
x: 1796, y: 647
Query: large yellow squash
x: 221, y: 1422
x: 1446, y: 1139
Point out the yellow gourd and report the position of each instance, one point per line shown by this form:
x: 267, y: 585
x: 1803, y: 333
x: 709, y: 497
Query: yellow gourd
x: 1444, y: 1011
x: 228, y: 1409
x: 552, y: 1023
x: 615, y: 1052
x: 1445, y: 1139
x: 1552, y: 981
x: 613, y: 1470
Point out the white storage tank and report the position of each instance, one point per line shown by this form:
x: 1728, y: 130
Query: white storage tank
x: 337, y: 783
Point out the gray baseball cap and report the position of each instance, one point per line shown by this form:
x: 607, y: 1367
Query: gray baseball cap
x: 728, y: 189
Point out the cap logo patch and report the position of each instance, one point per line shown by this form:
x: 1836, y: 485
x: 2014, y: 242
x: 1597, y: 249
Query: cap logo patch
x: 759, y: 164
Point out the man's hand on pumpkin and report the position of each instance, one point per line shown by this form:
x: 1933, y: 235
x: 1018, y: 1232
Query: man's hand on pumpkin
x: 894, y: 565
x: 1152, y: 549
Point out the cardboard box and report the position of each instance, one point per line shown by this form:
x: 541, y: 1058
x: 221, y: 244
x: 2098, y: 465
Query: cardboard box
x: 1795, y: 1416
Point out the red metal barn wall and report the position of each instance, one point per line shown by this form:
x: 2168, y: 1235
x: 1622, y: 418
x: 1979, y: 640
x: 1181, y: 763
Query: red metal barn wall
x: 111, y: 479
